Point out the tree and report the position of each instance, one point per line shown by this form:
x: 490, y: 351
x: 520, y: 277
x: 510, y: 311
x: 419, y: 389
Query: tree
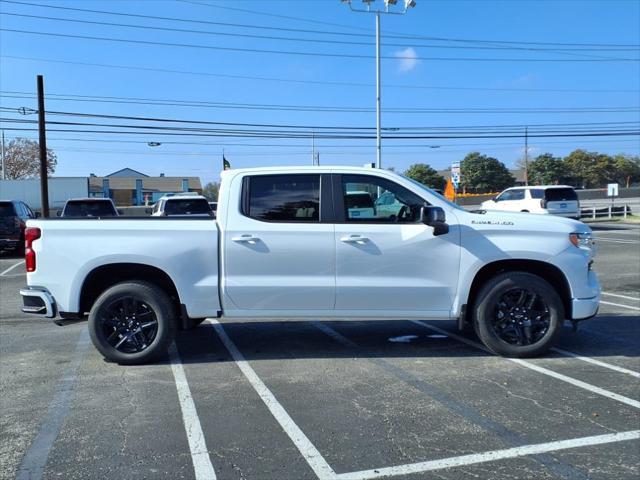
x: 546, y: 169
x: 485, y: 173
x: 210, y: 191
x: 426, y: 175
x: 590, y: 169
x: 22, y: 159
x: 627, y: 169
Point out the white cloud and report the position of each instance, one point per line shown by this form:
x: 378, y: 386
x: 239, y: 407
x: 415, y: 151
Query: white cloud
x: 408, y: 59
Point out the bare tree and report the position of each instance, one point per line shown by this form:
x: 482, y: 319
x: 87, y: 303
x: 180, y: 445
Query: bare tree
x: 22, y: 159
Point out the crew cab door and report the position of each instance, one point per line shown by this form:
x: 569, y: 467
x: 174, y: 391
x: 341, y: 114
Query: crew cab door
x: 388, y: 263
x: 278, y: 251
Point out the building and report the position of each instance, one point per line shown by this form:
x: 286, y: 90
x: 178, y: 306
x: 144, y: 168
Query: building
x: 129, y: 187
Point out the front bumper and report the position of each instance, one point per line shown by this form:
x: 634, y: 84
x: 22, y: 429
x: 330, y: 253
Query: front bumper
x: 583, y: 308
x: 38, y: 301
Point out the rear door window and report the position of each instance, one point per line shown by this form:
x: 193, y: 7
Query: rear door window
x: 560, y: 195
x: 537, y: 193
x: 283, y: 198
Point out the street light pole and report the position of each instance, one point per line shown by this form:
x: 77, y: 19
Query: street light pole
x: 378, y: 96
x: 407, y: 4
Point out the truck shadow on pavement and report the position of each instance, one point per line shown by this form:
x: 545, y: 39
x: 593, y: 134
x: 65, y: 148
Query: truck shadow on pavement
x: 273, y: 340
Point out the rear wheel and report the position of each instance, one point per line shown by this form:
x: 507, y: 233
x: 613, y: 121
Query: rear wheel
x: 518, y: 314
x: 132, y: 323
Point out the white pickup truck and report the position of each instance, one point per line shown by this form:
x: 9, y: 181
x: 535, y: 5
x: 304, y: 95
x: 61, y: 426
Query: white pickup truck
x: 288, y: 243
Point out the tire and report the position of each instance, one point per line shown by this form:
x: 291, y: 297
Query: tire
x: 132, y: 323
x: 524, y: 211
x: 512, y: 327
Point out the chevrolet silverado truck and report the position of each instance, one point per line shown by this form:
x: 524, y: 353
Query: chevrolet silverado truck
x: 290, y: 243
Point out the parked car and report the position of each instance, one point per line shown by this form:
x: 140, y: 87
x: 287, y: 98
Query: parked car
x: 13, y: 217
x: 286, y: 245
x: 559, y: 200
x: 89, y: 207
x: 182, y: 205
x: 214, y: 208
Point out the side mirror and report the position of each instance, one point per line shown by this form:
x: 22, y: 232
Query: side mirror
x: 147, y: 211
x: 120, y: 211
x: 38, y: 215
x: 59, y: 213
x: 436, y: 218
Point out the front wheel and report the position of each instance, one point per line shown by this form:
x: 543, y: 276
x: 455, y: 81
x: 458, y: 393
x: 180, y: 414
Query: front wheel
x: 132, y: 323
x: 518, y: 314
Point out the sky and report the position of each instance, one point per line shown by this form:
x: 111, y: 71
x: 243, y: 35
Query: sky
x: 306, y: 68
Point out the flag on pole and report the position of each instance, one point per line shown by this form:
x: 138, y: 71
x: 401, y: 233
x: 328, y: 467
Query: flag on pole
x: 225, y: 163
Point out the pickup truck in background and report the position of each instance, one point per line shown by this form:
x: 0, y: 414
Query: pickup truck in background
x: 294, y: 243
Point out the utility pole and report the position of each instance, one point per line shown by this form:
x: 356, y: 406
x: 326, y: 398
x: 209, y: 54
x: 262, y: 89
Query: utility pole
x: 526, y: 156
x: 313, y: 148
x: 4, y: 176
x: 42, y: 140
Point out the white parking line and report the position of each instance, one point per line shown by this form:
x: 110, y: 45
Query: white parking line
x: 620, y: 296
x: 202, y: 466
x: 490, y: 456
x: 310, y: 453
x: 11, y: 268
x: 597, y: 362
x: 545, y: 371
x: 616, y: 240
x: 619, y: 305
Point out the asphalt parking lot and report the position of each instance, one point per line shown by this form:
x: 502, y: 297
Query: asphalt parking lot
x: 341, y: 400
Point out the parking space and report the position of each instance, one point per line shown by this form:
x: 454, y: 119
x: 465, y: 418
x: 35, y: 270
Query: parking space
x: 342, y: 400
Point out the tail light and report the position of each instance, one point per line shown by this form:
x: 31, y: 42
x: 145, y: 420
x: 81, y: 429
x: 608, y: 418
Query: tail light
x: 30, y: 234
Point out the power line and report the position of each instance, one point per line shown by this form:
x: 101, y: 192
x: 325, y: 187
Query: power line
x: 307, y: 54
x: 299, y: 30
x: 313, y: 40
x: 310, y: 82
x: 161, y: 131
x: 340, y: 109
x: 307, y: 128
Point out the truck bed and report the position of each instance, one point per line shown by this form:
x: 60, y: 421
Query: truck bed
x: 186, y: 249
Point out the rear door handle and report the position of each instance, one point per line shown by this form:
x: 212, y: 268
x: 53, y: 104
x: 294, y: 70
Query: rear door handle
x: 246, y: 238
x: 359, y: 239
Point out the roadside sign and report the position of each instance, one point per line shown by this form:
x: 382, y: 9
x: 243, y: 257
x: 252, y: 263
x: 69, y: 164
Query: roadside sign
x: 612, y: 189
x: 455, y: 174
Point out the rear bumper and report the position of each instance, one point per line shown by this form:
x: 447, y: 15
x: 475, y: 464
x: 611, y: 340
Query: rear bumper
x: 38, y: 301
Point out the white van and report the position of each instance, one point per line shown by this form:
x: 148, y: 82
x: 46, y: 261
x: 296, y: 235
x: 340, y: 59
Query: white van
x: 559, y: 200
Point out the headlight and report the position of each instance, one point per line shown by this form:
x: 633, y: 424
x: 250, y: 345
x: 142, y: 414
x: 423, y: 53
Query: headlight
x: 583, y: 240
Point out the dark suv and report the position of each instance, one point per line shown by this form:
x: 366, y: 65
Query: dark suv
x: 13, y: 217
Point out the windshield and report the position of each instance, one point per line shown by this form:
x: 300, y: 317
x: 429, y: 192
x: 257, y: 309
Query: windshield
x: 6, y: 209
x: 560, y: 194
x: 89, y: 209
x: 431, y: 191
x: 187, y: 207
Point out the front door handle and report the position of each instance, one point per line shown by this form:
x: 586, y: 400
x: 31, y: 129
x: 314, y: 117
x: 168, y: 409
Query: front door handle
x: 359, y: 239
x: 246, y: 238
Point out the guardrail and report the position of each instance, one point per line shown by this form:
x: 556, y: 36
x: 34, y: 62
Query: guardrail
x: 596, y: 211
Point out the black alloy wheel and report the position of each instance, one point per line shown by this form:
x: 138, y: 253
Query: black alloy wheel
x: 518, y: 314
x: 521, y: 317
x: 133, y: 322
x: 129, y: 325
